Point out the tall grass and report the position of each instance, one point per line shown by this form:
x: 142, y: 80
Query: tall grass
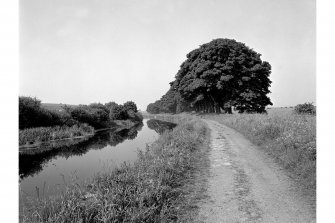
x: 42, y: 134
x: 150, y: 190
x: 288, y: 137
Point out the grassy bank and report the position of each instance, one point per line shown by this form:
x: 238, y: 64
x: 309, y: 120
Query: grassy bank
x: 289, y: 138
x: 153, y: 189
x: 43, y: 134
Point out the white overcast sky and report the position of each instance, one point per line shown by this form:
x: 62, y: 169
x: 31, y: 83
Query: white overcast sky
x: 84, y: 51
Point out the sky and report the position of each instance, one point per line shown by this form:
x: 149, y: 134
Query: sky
x: 84, y: 51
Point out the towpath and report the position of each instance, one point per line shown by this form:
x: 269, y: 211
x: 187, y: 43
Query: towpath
x: 245, y: 185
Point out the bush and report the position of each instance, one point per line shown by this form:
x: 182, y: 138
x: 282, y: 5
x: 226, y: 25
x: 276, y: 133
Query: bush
x: 126, y: 111
x: 32, y: 115
x: 306, y: 108
x: 96, y: 117
x: 133, y: 116
x: 129, y: 105
x: 117, y: 113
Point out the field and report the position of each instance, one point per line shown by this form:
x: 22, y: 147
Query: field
x: 289, y: 138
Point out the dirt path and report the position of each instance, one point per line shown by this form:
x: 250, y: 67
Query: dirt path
x: 245, y: 185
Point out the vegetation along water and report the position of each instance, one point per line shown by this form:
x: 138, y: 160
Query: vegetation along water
x: 223, y: 80
x: 151, y: 189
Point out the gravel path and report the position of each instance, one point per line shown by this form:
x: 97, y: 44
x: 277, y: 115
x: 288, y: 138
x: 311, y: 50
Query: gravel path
x: 245, y: 185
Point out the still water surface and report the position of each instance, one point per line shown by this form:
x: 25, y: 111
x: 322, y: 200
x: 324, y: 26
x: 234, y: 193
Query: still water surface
x: 46, y: 173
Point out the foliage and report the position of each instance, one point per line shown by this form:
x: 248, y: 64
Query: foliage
x: 99, y: 106
x: 96, y: 117
x: 126, y: 111
x: 118, y: 113
x: 217, y: 76
x: 153, y: 108
x: 32, y: 115
x: 129, y: 105
x: 134, y: 116
x: 153, y: 189
x: 110, y: 105
x: 291, y: 139
x: 306, y: 108
x: 171, y: 102
x: 42, y: 134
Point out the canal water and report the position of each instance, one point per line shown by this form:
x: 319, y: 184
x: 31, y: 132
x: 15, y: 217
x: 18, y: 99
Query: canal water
x: 47, y: 173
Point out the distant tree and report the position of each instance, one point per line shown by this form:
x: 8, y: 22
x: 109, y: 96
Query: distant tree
x: 111, y: 105
x: 96, y: 117
x: 306, y: 108
x: 129, y: 105
x: 152, y: 108
x: 221, y: 74
x: 118, y: 113
x: 99, y: 106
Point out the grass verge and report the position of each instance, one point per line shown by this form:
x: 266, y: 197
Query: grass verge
x: 43, y: 134
x: 289, y: 138
x: 153, y: 189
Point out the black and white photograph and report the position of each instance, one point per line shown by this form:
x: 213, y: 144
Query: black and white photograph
x: 166, y: 111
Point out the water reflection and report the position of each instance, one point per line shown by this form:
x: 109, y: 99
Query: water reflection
x: 32, y: 162
x: 160, y: 126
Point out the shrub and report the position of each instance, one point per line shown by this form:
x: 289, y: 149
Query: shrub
x: 129, y: 105
x: 133, y: 116
x: 32, y: 115
x: 306, y: 108
x: 126, y: 111
x: 96, y: 117
x: 117, y: 113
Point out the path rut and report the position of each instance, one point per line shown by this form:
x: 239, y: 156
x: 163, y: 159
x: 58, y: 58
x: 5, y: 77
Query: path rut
x: 245, y: 184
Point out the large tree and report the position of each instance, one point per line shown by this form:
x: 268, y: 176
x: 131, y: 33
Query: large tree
x: 221, y: 74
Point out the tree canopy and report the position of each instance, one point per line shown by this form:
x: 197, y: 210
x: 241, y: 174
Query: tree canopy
x: 97, y: 115
x: 220, y: 75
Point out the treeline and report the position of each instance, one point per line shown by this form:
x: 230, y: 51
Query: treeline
x: 38, y: 124
x: 171, y: 102
x: 217, y: 77
x: 97, y: 115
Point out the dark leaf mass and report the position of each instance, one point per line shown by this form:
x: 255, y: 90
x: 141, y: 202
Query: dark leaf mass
x: 218, y: 76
